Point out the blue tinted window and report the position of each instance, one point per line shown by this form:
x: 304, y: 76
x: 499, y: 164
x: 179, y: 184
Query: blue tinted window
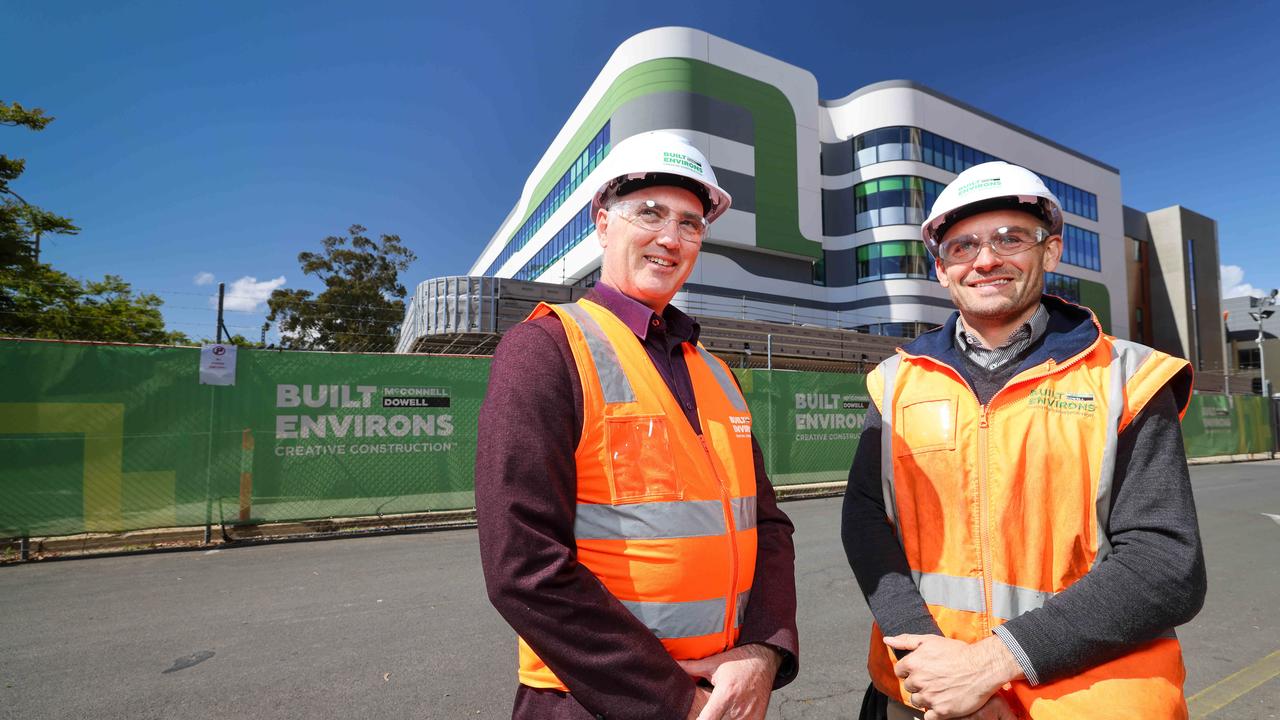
x: 560, y: 191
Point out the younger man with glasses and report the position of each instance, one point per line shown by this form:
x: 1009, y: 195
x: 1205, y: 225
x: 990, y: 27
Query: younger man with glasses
x: 627, y: 529
x: 1019, y: 512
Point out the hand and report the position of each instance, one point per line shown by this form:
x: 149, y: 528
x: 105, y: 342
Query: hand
x: 950, y: 678
x: 700, y: 697
x: 742, y: 680
x: 997, y: 708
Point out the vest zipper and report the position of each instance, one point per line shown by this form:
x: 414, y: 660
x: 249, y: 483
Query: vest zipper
x: 984, y: 518
x: 731, y: 598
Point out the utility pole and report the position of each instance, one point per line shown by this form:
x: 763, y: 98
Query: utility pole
x: 1265, y: 310
x: 222, y: 327
x: 222, y: 290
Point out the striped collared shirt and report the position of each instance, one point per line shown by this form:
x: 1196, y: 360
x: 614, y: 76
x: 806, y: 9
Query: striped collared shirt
x: 971, y: 347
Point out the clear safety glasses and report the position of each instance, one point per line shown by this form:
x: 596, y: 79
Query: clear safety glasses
x: 654, y: 217
x: 1004, y: 241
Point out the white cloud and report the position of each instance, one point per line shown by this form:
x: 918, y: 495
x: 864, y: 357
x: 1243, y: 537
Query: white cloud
x: 247, y: 293
x: 204, y: 278
x: 1233, y: 284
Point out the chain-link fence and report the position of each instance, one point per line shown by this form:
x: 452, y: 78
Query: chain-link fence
x: 101, y: 437
x: 106, y: 438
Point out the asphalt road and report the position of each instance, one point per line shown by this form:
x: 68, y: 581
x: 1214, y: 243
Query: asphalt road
x: 399, y: 626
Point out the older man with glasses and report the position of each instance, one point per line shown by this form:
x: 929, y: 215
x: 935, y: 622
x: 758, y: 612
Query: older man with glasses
x: 1019, y: 513
x: 628, y: 532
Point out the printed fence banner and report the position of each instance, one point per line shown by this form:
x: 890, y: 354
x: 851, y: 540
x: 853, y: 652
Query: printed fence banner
x: 111, y: 438
x: 108, y: 438
x: 1226, y: 425
x: 807, y: 423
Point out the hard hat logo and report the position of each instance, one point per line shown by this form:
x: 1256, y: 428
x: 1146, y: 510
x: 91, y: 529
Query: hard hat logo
x: 659, y: 157
x: 681, y: 160
x: 976, y: 185
x: 987, y: 186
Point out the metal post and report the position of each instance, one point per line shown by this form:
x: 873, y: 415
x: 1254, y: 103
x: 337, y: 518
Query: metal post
x: 24, y: 548
x: 222, y: 291
x: 1262, y: 361
x: 1226, y: 358
x: 768, y: 349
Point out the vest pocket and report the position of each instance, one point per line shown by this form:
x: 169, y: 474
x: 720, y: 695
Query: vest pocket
x: 927, y: 425
x: 640, y: 464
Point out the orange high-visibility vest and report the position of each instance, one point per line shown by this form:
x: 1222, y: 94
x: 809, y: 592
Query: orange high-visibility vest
x: 1000, y: 507
x: 666, y: 518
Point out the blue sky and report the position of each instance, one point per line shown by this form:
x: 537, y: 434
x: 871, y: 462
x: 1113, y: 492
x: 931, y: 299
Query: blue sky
x: 223, y: 139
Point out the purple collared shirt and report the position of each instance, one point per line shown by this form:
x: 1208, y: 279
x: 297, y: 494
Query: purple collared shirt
x: 526, y: 499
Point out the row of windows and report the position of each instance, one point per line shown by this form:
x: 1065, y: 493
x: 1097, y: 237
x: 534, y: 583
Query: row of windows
x: 574, y: 232
x: 587, y: 161
x: 900, y: 200
x: 894, y: 259
x: 896, y: 329
x: 1080, y: 248
x: 912, y: 143
x: 1064, y: 286
x: 904, y: 200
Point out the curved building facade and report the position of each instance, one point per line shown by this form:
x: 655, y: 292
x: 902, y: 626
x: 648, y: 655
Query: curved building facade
x: 828, y: 195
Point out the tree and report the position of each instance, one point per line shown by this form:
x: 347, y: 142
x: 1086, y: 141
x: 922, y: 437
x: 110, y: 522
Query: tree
x: 362, y: 305
x: 37, y: 301
x: 21, y: 223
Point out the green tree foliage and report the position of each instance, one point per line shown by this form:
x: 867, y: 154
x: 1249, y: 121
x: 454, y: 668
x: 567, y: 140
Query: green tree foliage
x: 21, y: 223
x: 362, y: 305
x: 38, y: 301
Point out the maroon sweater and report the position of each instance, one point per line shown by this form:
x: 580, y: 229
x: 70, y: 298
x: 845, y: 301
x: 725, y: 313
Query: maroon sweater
x: 526, y: 490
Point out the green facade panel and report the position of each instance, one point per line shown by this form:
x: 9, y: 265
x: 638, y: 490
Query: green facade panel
x: 777, y: 210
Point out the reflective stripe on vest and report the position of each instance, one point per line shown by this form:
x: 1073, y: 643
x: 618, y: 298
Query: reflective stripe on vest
x: 889, y: 372
x: 613, y: 381
x: 965, y: 593
x: 1126, y: 358
x: 655, y: 520
x: 727, y: 385
x: 673, y: 620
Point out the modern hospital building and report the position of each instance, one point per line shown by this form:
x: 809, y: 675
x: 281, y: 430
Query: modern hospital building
x: 828, y: 198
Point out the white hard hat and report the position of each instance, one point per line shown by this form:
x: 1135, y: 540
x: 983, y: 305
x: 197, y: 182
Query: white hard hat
x: 988, y: 184
x: 643, y: 160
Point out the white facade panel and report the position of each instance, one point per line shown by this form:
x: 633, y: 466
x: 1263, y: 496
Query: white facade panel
x: 739, y: 292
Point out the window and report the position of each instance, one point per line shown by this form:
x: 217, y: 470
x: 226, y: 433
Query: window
x: 1064, y: 286
x: 1080, y: 248
x: 568, y: 238
x: 912, y: 143
x: 892, y: 260
x: 899, y: 200
x: 586, y: 161
x: 1249, y: 359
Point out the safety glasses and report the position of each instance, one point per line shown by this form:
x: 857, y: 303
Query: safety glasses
x: 1004, y: 241
x: 654, y: 217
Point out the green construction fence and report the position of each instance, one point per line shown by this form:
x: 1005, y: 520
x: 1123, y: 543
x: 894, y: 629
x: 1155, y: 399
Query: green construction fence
x: 110, y: 438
